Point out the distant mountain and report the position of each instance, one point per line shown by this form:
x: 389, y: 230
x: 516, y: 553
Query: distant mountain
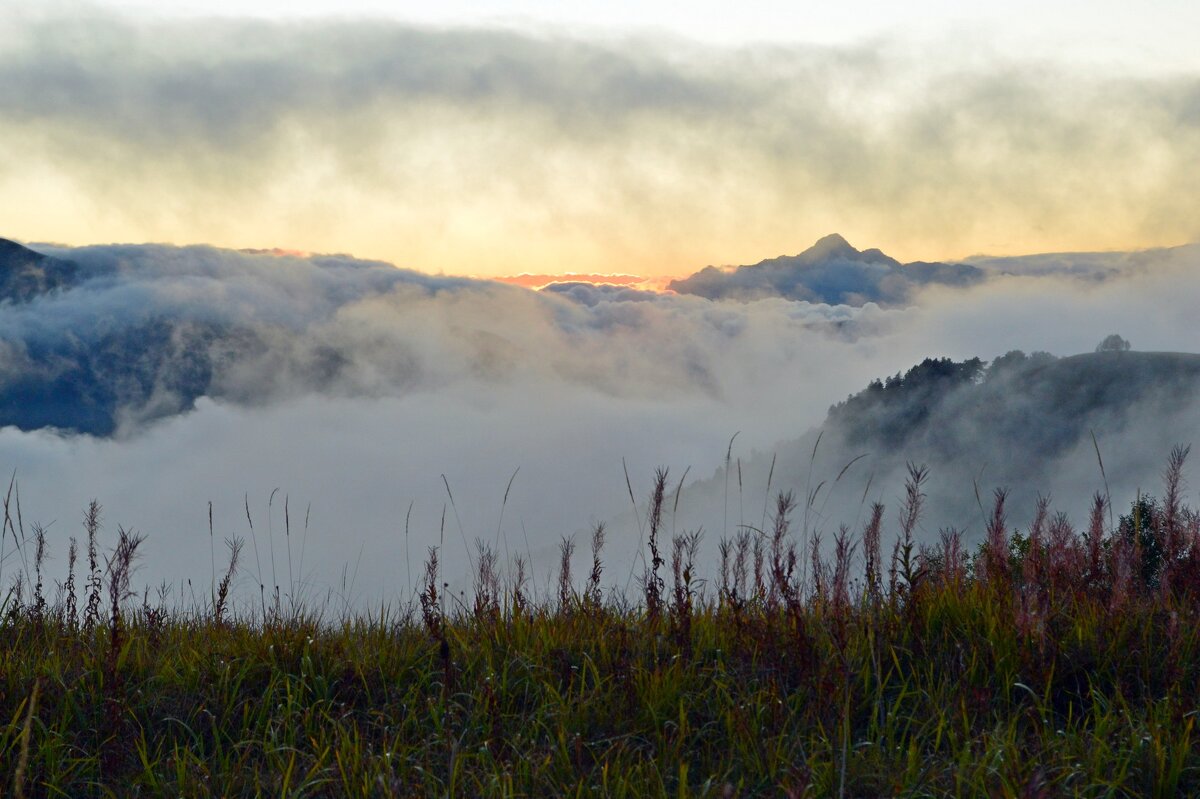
x: 1021, y: 408
x: 831, y: 271
x: 82, y: 381
x: 105, y: 339
x: 25, y: 274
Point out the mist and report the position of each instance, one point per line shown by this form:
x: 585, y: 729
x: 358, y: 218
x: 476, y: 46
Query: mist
x: 350, y: 391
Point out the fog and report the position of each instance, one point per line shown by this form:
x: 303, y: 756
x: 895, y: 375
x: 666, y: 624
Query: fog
x: 443, y: 383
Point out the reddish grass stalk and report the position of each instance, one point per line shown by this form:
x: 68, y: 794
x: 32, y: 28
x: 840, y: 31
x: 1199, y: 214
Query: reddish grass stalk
x: 520, y: 578
x: 818, y: 570
x: 683, y: 563
x: 843, y: 555
x: 430, y: 607
x: 724, y: 549
x: 1173, y: 533
x: 904, y: 564
x: 760, y: 587
x: 783, y: 554
x: 653, y: 582
x: 566, y: 592
x: 995, y: 561
x: 70, y: 610
x: 1064, y: 556
x: 222, y: 594
x: 592, y: 595
x: 1094, y: 542
x: 954, y: 566
x: 91, y: 524
x: 1033, y: 566
x: 487, y: 583
x: 871, y: 536
x: 39, y: 558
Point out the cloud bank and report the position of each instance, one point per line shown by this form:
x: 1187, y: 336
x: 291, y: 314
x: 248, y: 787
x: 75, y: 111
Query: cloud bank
x: 491, y: 152
x: 355, y: 387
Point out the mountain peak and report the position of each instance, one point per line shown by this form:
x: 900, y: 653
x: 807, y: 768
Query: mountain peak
x: 9, y: 247
x: 827, y: 247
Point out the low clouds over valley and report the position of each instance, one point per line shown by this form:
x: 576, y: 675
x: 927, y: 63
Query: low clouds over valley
x: 157, y: 379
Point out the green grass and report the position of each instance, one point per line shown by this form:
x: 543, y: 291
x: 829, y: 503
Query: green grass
x: 1051, y: 663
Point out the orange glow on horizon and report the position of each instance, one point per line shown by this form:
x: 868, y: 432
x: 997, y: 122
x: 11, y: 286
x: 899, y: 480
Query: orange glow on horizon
x: 541, y: 281
x: 278, y: 252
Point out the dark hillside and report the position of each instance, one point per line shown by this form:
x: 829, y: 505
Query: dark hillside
x: 1022, y: 422
x: 25, y: 274
x: 1039, y: 404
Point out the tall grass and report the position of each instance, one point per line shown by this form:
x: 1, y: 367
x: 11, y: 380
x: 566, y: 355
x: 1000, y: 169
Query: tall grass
x: 1048, y: 662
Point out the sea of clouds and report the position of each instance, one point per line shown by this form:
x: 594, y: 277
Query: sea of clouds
x: 379, y: 390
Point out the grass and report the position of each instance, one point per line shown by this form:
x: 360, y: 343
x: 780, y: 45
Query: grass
x: 1050, y: 662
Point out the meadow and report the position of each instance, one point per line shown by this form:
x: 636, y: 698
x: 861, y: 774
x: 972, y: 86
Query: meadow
x: 1057, y: 660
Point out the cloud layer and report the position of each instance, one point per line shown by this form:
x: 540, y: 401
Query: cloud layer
x: 498, y: 152
x: 355, y: 387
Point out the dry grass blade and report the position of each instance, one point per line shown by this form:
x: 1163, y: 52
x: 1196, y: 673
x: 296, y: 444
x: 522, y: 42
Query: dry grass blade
x: 850, y: 463
x: 458, y: 521
x: 1104, y: 475
x: 26, y: 734
x: 741, y: 509
x: 592, y: 594
x: 212, y: 548
x: 257, y: 561
x: 7, y: 523
x: 641, y: 527
x: 836, y: 480
x: 812, y: 460
x: 678, y: 491
x: 728, y: 460
x: 271, y: 546
x: 407, y: 558
x: 866, y: 490
x: 12, y: 502
x: 500, y: 522
x: 767, y: 496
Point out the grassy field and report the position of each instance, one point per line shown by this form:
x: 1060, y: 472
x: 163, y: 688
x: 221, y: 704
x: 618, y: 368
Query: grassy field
x: 1053, y: 661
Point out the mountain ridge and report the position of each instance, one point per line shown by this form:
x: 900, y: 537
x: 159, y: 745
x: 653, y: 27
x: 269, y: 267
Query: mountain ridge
x: 1029, y: 424
x: 26, y: 274
x: 830, y: 271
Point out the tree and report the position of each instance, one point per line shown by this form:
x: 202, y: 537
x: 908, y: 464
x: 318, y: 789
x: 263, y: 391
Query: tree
x: 1142, y: 532
x: 1113, y: 343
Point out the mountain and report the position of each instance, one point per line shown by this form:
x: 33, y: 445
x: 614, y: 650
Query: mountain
x: 84, y: 378
x: 831, y: 271
x: 102, y: 340
x: 1024, y: 408
x: 25, y: 274
x: 1030, y: 424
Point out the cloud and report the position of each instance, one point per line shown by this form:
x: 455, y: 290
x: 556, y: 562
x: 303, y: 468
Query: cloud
x: 484, y: 151
x: 357, y: 384
x: 1094, y: 266
x: 354, y: 386
x: 1024, y: 425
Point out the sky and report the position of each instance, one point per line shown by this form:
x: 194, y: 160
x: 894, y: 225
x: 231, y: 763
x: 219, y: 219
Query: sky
x: 196, y: 159
x: 651, y: 139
